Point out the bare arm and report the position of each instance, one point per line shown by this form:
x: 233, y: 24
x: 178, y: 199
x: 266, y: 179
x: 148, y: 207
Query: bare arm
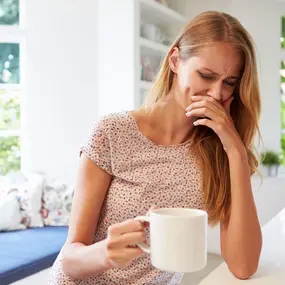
x: 80, y: 257
x: 241, y: 238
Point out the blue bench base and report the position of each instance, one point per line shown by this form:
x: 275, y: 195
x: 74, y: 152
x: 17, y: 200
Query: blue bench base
x: 23, y: 253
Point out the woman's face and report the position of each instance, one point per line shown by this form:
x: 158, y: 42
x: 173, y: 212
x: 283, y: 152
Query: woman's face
x: 214, y: 72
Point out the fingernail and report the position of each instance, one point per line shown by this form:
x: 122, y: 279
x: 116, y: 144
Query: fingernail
x: 188, y: 114
x: 195, y: 123
x: 188, y: 108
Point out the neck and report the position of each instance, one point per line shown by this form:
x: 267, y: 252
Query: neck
x: 169, y: 120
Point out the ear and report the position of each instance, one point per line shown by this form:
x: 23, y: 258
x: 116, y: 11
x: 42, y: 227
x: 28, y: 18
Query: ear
x: 174, y: 59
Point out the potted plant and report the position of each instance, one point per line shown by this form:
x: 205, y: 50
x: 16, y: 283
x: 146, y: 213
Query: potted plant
x: 271, y: 160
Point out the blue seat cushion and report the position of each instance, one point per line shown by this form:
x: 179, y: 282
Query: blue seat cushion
x: 23, y: 253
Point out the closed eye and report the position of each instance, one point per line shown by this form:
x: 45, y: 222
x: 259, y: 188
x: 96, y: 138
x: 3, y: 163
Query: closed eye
x: 206, y: 76
x: 230, y: 83
x: 211, y: 77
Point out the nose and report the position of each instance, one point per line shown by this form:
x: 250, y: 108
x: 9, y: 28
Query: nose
x: 215, y: 90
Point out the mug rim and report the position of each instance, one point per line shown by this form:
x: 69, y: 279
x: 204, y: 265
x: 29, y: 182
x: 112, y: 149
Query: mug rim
x: 201, y: 213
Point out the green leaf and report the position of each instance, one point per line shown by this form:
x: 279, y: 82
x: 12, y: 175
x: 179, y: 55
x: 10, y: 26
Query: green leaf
x: 10, y: 156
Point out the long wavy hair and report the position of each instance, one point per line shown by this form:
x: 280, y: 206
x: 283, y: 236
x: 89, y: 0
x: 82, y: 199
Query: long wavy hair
x: 208, y: 28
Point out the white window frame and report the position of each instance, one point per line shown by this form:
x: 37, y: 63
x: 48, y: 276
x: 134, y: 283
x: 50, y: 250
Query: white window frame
x: 282, y: 54
x: 15, y: 34
x: 281, y: 58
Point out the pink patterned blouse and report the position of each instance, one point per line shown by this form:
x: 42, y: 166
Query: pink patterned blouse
x: 144, y: 174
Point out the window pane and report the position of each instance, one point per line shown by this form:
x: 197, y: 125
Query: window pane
x: 9, y: 12
x: 9, y: 154
x: 9, y: 112
x: 9, y: 63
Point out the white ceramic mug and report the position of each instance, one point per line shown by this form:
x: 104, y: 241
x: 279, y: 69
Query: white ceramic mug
x: 178, y: 239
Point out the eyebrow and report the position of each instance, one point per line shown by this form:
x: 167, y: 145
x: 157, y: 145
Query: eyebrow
x: 230, y: 77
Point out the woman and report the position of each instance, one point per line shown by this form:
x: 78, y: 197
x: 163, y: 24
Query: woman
x: 190, y: 145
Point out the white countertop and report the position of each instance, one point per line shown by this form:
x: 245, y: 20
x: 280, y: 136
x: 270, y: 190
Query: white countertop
x: 271, y: 269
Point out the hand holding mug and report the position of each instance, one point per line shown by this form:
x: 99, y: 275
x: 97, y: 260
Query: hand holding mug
x: 120, y: 240
x: 122, y: 237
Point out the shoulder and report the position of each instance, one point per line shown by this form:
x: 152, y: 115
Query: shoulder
x: 113, y: 122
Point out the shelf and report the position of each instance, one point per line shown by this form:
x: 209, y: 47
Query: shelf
x: 169, y: 22
x: 152, y: 47
x: 163, y: 12
x: 145, y: 85
x: 10, y: 86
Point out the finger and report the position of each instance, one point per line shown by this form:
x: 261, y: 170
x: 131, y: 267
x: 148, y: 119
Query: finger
x: 125, y: 227
x: 127, y: 240
x: 151, y: 209
x: 203, y: 112
x: 210, y: 99
x: 127, y: 254
x: 154, y: 207
x: 210, y: 124
x: 133, y: 252
x: 227, y: 104
x: 203, y: 103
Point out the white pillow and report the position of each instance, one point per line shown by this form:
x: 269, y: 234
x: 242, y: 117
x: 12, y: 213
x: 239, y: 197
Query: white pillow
x: 10, y: 214
x: 30, y: 194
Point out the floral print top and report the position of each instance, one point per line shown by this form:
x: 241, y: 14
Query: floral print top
x: 144, y: 174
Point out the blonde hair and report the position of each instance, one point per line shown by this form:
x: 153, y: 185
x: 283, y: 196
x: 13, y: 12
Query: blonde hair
x: 207, y: 28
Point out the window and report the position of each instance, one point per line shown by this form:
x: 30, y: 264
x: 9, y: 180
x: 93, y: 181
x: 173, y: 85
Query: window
x: 10, y: 86
x: 9, y: 12
x: 9, y: 63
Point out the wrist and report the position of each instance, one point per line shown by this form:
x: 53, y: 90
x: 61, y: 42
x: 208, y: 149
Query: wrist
x: 107, y: 264
x: 237, y: 153
x: 238, y: 159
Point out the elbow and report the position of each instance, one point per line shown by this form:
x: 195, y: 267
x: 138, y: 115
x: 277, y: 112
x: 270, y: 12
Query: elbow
x: 69, y: 265
x: 245, y: 266
x: 244, y: 272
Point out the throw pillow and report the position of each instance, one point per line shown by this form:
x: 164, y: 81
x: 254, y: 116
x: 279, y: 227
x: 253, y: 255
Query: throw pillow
x: 30, y: 196
x: 10, y: 214
x: 56, y: 206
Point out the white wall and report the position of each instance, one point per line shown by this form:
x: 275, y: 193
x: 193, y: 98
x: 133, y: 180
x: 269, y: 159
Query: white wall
x: 194, y: 8
x: 262, y: 19
x: 61, y: 84
x: 117, y: 55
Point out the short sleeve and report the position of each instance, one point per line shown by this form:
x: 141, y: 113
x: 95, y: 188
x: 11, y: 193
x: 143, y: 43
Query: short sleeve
x: 98, y: 147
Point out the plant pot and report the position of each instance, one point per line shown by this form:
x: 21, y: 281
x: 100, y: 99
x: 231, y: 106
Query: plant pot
x: 272, y: 170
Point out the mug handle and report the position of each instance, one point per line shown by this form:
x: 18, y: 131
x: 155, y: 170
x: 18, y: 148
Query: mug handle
x: 143, y: 246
